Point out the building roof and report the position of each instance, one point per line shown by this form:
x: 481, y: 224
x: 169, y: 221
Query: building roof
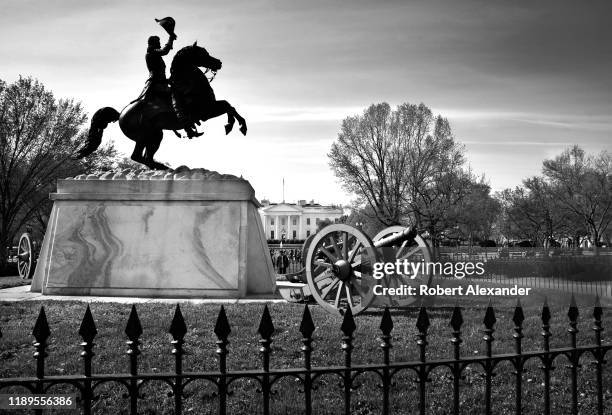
x: 294, y: 207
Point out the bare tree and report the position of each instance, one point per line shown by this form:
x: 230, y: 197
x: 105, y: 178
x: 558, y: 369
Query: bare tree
x: 582, y: 185
x: 403, y: 165
x: 37, y: 145
x: 572, y: 198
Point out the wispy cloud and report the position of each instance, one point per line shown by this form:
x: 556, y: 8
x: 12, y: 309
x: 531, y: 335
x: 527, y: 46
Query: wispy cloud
x: 294, y: 114
x: 590, y: 122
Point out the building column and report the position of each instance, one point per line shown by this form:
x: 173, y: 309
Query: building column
x: 300, y: 227
x: 276, y: 219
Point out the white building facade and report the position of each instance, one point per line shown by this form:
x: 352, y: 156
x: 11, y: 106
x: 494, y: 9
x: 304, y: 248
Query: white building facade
x: 295, y: 220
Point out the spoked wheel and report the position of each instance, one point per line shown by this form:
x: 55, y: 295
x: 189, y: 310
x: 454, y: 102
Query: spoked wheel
x: 25, y: 257
x: 306, y: 247
x: 416, y: 251
x: 339, y: 269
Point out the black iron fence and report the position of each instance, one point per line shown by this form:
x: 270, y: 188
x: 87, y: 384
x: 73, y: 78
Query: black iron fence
x: 86, y: 384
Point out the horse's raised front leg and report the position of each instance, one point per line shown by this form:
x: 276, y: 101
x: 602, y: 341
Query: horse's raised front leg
x: 224, y: 107
x: 241, y: 121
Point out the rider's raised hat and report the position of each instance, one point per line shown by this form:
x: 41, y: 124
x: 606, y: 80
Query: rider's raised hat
x: 168, y: 24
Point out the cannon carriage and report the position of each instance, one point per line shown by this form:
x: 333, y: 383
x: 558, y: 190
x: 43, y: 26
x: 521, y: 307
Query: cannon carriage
x: 339, y: 268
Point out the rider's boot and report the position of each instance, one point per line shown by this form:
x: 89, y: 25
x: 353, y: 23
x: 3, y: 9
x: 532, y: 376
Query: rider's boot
x: 192, y: 132
x: 188, y: 125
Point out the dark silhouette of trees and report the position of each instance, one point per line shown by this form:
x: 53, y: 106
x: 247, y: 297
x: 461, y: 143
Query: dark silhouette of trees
x: 38, y: 138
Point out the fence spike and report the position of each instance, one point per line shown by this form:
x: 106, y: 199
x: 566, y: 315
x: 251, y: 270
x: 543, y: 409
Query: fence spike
x: 307, y: 326
x: 41, y: 330
x: 88, y: 328
x: 519, y: 317
x: 545, y: 312
x: 573, y: 313
x: 348, y: 326
x: 178, y: 328
x: 422, y: 323
x: 222, y: 326
x: 266, y: 328
x: 133, y: 329
x: 489, y: 318
x: 386, y: 323
x: 597, y: 310
x: 456, y: 319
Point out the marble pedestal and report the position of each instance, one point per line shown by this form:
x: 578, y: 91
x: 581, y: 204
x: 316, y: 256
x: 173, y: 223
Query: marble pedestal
x: 182, y: 233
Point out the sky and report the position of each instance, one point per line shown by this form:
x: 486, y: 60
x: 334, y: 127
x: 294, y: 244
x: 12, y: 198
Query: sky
x: 518, y: 81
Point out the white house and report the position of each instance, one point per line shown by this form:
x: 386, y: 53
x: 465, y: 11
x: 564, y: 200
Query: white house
x: 295, y: 220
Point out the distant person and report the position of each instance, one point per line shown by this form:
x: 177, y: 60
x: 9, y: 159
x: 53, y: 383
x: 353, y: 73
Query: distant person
x: 283, y: 263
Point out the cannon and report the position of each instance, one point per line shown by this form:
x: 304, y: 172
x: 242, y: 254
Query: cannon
x: 339, y: 264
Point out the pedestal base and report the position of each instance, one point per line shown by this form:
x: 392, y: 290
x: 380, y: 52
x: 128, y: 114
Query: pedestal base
x: 185, y: 233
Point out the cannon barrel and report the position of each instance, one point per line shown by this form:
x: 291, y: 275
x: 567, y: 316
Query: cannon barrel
x: 407, y: 234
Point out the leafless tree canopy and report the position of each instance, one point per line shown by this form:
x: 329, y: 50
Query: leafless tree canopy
x: 571, y: 199
x: 405, y: 166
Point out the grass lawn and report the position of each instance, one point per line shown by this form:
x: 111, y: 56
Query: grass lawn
x: 17, y: 320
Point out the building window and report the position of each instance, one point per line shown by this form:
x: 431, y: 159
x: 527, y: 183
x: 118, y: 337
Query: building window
x: 272, y: 222
x: 283, y: 221
x: 308, y: 221
x: 317, y: 221
x: 294, y: 234
x: 307, y: 234
x: 271, y: 234
x: 294, y: 222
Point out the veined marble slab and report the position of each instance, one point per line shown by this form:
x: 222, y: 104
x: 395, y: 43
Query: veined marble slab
x: 196, y: 236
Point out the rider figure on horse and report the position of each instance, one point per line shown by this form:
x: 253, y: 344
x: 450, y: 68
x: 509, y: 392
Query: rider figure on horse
x: 157, y: 84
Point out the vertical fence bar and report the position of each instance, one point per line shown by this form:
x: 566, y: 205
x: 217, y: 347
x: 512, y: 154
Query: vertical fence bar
x: 266, y: 329
x: 456, y: 322
x: 422, y: 327
x: 307, y: 327
x: 41, y: 333
x: 518, y: 318
x: 348, y: 327
x: 489, y: 322
x: 572, y: 314
x: 178, y: 329
x: 546, y: 360
x: 222, y: 330
x: 599, y: 355
x: 88, y: 332
x: 386, y: 326
x: 133, y: 330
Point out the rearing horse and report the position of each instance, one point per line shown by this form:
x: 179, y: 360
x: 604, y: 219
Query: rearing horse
x: 144, y: 121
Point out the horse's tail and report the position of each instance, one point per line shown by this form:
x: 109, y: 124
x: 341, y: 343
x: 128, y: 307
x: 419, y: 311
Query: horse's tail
x: 99, y: 121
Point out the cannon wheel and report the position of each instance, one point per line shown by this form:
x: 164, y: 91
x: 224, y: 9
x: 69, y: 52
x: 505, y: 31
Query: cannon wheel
x: 25, y: 257
x: 412, y: 251
x: 338, y: 269
x: 305, y: 248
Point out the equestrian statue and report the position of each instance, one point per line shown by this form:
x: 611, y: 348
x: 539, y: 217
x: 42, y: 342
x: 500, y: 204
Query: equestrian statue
x: 178, y: 103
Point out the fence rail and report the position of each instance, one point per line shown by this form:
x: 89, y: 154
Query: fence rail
x: 87, y: 383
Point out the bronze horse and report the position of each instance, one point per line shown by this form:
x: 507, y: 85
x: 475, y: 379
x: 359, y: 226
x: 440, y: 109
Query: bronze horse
x: 144, y: 121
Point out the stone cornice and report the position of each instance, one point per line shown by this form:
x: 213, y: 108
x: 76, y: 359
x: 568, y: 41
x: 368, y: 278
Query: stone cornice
x: 180, y: 173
